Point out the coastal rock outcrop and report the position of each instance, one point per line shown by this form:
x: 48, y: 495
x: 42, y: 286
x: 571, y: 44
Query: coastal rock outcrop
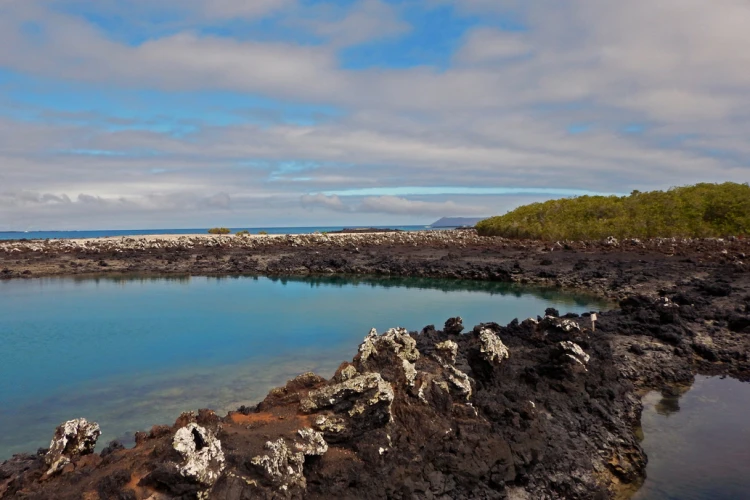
x: 283, y: 466
x: 202, y: 457
x: 351, y: 406
x: 72, y: 440
x: 567, y: 352
x: 491, y: 347
x: 393, y: 354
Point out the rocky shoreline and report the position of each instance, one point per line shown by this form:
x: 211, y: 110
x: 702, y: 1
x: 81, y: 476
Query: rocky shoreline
x: 539, y: 408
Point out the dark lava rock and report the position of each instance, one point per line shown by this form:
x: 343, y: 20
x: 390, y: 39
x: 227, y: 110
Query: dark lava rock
x: 454, y: 326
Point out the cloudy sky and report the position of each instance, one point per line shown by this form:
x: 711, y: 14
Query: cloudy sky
x: 194, y: 113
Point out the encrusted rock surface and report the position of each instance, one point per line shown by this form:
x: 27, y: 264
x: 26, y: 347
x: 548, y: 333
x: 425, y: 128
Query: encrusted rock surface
x: 282, y: 466
x: 311, y: 442
x: 73, y: 439
x: 202, y: 457
x: 492, y: 348
x: 541, y: 408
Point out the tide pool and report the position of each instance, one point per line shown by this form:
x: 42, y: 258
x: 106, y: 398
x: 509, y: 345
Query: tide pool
x: 131, y: 353
x: 698, y: 443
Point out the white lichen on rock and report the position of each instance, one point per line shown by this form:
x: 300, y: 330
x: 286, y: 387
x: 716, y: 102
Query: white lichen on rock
x: 396, y: 339
x: 491, y: 347
x: 567, y: 325
x: 572, y: 352
x: 281, y: 466
x: 446, y: 352
x: 203, y: 458
x: 346, y: 373
x: 367, y: 348
x: 410, y: 372
x: 72, y: 439
x: 330, y: 424
x: 460, y: 381
x: 312, y: 442
x: 357, y: 393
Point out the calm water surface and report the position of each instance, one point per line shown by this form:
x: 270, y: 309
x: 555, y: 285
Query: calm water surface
x: 130, y: 353
x: 698, y: 445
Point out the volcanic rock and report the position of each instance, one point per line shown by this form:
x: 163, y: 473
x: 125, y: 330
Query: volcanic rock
x: 73, y: 439
x: 203, y: 459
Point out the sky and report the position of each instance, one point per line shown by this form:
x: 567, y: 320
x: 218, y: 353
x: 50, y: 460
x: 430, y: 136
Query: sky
x: 120, y: 114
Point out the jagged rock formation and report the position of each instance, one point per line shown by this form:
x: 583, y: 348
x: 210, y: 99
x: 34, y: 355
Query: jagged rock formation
x: 73, y: 439
x: 202, y: 458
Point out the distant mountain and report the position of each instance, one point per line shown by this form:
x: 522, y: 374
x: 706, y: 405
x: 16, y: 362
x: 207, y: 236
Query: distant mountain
x: 457, y: 221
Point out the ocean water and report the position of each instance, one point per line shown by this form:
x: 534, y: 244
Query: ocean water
x: 42, y: 235
x: 698, y: 444
x: 130, y: 353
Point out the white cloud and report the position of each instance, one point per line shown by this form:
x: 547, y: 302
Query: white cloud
x: 390, y: 205
x: 366, y: 20
x: 176, y: 12
x: 320, y: 200
x: 486, y: 45
x: 396, y: 205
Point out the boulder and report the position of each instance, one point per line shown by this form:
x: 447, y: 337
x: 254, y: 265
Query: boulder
x: 446, y: 352
x: 73, y: 439
x: 392, y: 354
x: 203, y: 458
x: 491, y: 347
x: 454, y: 326
x: 567, y: 352
x: 352, y: 406
x: 564, y: 325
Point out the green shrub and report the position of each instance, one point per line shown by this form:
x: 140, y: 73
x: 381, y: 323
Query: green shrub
x: 219, y: 230
x: 262, y: 232
x: 699, y: 211
x: 244, y: 232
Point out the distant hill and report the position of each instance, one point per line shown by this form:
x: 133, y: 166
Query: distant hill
x: 457, y: 221
x: 699, y: 211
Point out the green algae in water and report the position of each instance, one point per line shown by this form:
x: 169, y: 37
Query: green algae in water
x: 130, y: 353
x: 698, y: 443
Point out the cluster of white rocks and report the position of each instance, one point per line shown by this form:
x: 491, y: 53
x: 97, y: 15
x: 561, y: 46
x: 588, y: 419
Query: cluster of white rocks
x: 283, y: 466
x: 127, y: 244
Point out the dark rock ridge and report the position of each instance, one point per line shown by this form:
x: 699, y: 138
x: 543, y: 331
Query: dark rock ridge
x: 615, y: 269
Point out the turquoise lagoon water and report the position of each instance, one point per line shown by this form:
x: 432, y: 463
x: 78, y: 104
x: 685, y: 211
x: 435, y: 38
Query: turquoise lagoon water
x: 698, y: 444
x: 130, y: 353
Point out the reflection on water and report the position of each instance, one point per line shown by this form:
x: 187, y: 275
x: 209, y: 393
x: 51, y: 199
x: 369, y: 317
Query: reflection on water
x: 698, y: 442
x: 572, y: 298
x: 129, y: 353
